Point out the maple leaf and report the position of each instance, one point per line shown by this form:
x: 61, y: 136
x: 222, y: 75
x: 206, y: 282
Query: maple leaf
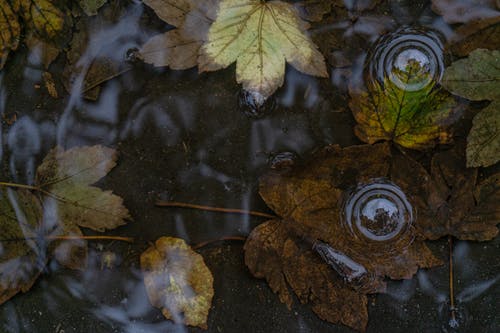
x: 178, y: 48
x: 478, y: 78
x: 416, y: 119
x: 339, y: 260
x: 47, y: 218
x: 178, y: 281
x: 260, y: 37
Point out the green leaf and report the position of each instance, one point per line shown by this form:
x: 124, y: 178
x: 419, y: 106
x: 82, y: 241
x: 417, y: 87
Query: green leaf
x: 90, y: 7
x: 10, y: 31
x: 260, y: 37
x: 414, y: 119
x: 483, y: 142
x: 477, y: 78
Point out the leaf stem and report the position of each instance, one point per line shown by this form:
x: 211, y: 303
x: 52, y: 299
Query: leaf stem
x: 226, y: 238
x: 452, y: 295
x: 214, y: 209
x: 28, y: 187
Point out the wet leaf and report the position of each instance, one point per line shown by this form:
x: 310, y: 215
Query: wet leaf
x: 462, y: 11
x: 93, y: 56
x: 46, y: 19
x: 42, y: 53
x: 482, y: 33
x: 21, y: 258
x: 414, y: 119
x: 10, y: 31
x: 316, y: 241
x: 68, y: 175
x: 478, y: 78
x: 458, y: 204
x: 314, y: 10
x: 260, y: 37
x: 178, y: 281
x: 90, y: 7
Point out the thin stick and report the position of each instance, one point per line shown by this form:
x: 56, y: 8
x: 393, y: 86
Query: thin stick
x: 213, y: 209
x: 113, y: 238
x: 227, y: 238
x: 28, y: 187
x: 452, y: 295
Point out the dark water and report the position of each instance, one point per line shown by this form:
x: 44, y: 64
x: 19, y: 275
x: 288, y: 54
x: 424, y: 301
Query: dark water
x: 188, y: 137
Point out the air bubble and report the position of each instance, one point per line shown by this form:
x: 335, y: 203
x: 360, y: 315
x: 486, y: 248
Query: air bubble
x: 410, y: 58
x: 255, y: 105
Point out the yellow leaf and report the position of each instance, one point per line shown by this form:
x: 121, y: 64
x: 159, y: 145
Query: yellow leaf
x: 261, y: 37
x: 178, y: 281
x: 9, y: 31
x: 42, y: 16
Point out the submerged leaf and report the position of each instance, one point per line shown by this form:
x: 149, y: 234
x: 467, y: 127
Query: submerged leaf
x: 260, y: 37
x: 21, y: 258
x: 414, y: 119
x: 483, y: 33
x: 10, y: 31
x: 46, y: 19
x: 90, y: 7
x: 68, y: 176
x: 478, y: 78
x: 319, y: 251
x: 178, y: 281
x: 179, y: 48
x: 462, y: 11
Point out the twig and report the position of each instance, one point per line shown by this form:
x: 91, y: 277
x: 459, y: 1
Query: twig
x: 452, y: 295
x: 227, y: 238
x: 213, y: 209
x: 113, y: 238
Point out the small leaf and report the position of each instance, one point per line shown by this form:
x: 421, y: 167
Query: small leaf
x: 10, y: 31
x: 483, y: 141
x: 260, y: 37
x: 68, y: 174
x: 413, y: 119
x: 476, y: 77
x: 178, y: 281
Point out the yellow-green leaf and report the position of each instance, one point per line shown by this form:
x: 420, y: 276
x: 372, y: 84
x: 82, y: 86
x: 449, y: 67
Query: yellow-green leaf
x: 9, y: 31
x: 260, y: 37
x: 42, y: 16
x: 413, y: 119
x: 178, y: 281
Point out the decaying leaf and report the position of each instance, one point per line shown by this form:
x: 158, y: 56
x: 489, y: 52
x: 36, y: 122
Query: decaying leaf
x: 21, y: 256
x: 178, y: 48
x: 458, y: 204
x: 314, y: 10
x: 93, y: 57
x: 463, y: 11
x: 483, y: 33
x: 340, y: 233
x: 260, y: 37
x: 178, y: 281
x: 10, y: 31
x: 42, y: 16
x: 416, y: 119
x: 47, y: 218
x: 478, y: 78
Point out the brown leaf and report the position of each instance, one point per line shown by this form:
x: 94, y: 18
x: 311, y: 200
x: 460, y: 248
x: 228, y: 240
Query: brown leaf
x: 350, y: 207
x: 482, y: 33
x: 271, y: 254
x: 463, y: 11
x: 178, y: 281
x: 458, y: 206
x: 10, y: 31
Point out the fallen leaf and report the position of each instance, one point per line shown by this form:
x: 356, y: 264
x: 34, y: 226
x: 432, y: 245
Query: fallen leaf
x: 478, y: 78
x: 482, y: 33
x: 178, y: 48
x: 93, y: 56
x: 10, y: 31
x: 317, y: 203
x: 42, y: 16
x: 260, y: 37
x: 42, y: 53
x: 21, y: 257
x: 314, y: 10
x: 90, y: 7
x: 458, y: 204
x: 416, y: 119
x: 463, y: 11
x: 68, y: 175
x: 178, y: 281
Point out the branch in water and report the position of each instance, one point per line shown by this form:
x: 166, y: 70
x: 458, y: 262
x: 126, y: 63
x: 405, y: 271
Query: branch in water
x: 213, y: 209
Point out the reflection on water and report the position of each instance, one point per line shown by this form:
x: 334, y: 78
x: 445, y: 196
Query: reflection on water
x: 189, y: 136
